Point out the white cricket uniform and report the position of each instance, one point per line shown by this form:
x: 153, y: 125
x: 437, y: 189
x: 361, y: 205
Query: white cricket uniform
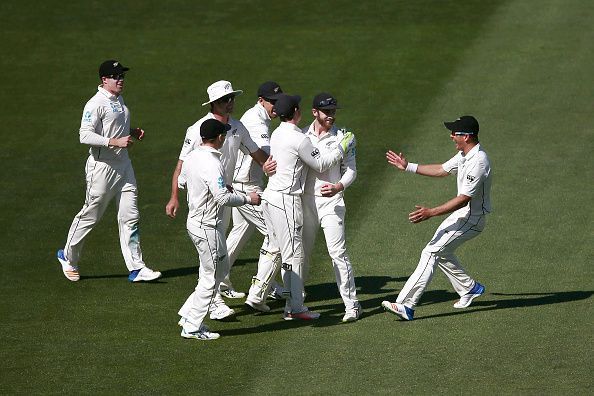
x: 474, y: 180
x: 249, y: 177
x: 281, y: 202
x: 329, y: 212
x: 109, y: 174
x: 207, y: 196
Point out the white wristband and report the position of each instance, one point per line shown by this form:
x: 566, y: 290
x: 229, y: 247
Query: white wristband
x: 412, y: 167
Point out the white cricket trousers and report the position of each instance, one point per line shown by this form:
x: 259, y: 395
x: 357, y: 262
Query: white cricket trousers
x: 283, y: 214
x: 106, y: 180
x: 214, y: 266
x: 247, y: 219
x: 329, y: 213
x: 440, y: 252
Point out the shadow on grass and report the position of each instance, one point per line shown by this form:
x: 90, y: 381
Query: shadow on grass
x: 519, y: 300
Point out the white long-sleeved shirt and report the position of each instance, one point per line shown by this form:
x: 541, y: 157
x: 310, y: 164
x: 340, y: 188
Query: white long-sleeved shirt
x: 207, y: 191
x: 295, y: 154
x: 238, y: 138
x: 473, y: 172
x: 105, y: 116
x: 248, y: 173
x: 344, y: 172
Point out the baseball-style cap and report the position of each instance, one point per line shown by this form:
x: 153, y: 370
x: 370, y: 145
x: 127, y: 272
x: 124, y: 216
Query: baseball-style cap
x: 286, y: 104
x: 111, y: 67
x: 325, y: 101
x: 212, y: 128
x: 466, y: 124
x: 219, y: 89
x: 270, y: 90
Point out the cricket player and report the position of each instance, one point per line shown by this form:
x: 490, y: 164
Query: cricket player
x: 207, y: 195
x: 221, y: 97
x: 249, y: 177
x: 323, y: 201
x: 105, y: 127
x: 467, y: 219
x: 281, y: 201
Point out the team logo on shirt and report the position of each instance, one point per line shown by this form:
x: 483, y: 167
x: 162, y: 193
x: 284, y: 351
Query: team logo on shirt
x: 87, y: 116
x: 470, y: 178
x: 116, y: 107
x: 315, y: 153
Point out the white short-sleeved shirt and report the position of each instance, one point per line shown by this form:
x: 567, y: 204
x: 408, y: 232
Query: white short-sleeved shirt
x: 238, y: 138
x: 473, y: 172
x: 207, y: 191
x: 345, y: 171
x: 105, y: 116
x: 295, y: 154
x: 247, y: 171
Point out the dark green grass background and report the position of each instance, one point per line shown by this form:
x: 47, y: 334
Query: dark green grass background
x: 399, y: 68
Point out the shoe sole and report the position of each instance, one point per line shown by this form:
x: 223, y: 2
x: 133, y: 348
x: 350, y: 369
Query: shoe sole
x: 193, y: 337
x: 388, y: 307
x: 469, y: 301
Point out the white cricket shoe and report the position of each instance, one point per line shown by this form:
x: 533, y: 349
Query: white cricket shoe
x: 305, y: 315
x: 203, y: 334
x: 262, y: 307
x: 232, y: 293
x: 221, y: 312
x: 352, y: 314
x: 403, y: 312
x: 70, y: 271
x: 145, y: 274
x: 466, y: 299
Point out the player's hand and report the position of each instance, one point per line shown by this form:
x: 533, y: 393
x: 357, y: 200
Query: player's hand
x: 347, y: 142
x: 420, y: 214
x: 137, y: 133
x: 396, y: 160
x: 269, y: 166
x: 122, y: 142
x: 171, y: 208
x: 330, y: 190
x: 254, y: 198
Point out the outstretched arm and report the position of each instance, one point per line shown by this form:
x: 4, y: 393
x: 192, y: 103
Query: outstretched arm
x: 400, y: 162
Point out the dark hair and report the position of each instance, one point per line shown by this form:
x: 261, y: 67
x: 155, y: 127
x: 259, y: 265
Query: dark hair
x: 289, y: 116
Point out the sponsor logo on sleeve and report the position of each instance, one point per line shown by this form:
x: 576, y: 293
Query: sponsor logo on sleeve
x: 470, y: 178
x: 188, y: 141
x: 315, y: 153
x: 264, y: 136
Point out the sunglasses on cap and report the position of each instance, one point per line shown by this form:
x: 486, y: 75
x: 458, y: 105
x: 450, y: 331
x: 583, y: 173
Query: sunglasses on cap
x: 327, y: 102
x: 458, y: 133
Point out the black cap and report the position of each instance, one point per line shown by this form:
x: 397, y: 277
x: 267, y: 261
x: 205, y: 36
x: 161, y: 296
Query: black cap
x: 285, y: 105
x: 269, y: 90
x: 111, y: 67
x: 325, y: 101
x: 212, y: 128
x: 465, y: 124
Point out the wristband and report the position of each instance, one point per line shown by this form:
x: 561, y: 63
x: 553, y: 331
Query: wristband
x: 412, y: 167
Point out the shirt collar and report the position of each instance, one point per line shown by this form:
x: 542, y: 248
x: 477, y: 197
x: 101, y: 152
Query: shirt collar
x: 472, y: 152
x: 288, y: 125
x: 210, y: 149
x: 332, y: 131
x: 262, y: 112
x: 108, y: 94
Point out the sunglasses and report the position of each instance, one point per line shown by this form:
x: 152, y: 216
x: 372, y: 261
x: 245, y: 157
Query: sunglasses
x: 226, y: 99
x: 117, y: 77
x: 461, y: 133
x: 327, y: 102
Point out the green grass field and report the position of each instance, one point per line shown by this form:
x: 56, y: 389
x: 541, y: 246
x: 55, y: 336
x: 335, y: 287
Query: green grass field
x: 399, y: 69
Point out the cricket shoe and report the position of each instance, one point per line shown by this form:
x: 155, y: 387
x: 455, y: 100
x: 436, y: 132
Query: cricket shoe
x: 305, y: 315
x: 352, y: 314
x: 262, y: 307
x: 403, y: 312
x: 203, y: 334
x: 145, y: 274
x: 466, y: 299
x: 70, y: 271
x: 231, y: 293
x: 221, y: 312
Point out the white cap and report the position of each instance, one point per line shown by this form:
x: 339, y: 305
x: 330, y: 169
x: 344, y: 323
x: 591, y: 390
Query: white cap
x: 218, y: 90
